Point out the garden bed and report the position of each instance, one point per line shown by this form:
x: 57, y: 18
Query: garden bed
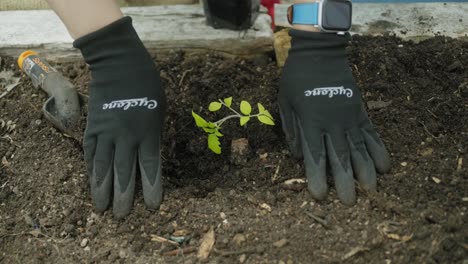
x: 419, y: 214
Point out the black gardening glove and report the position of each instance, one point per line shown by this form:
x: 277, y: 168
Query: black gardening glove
x: 324, y: 118
x: 125, y: 118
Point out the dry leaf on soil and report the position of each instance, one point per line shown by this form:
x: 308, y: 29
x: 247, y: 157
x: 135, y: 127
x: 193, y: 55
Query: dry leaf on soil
x: 206, y: 245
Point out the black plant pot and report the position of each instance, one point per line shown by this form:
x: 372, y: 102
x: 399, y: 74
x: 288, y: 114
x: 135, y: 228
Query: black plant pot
x: 231, y: 14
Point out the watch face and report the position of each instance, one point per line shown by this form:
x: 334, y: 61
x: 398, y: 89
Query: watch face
x: 336, y: 15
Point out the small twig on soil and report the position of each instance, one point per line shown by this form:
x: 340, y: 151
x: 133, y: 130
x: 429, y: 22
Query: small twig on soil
x: 33, y: 107
x: 180, y: 251
x: 459, y: 163
x: 354, y: 251
x: 183, y: 127
x: 357, y: 69
x: 427, y: 131
x: 163, y: 240
x: 183, y: 76
x: 166, y: 77
x: 238, y: 252
x: 434, y: 115
x: 14, y: 234
x: 320, y: 220
x: 10, y: 140
x: 275, y: 176
x: 247, y: 69
x: 3, y: 185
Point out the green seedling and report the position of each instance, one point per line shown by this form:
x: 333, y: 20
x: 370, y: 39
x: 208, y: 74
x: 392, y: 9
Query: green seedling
x: 245, y: 114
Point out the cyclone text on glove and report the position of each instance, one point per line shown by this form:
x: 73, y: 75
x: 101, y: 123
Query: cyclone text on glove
x: 330, y: 91
x: 128, y: 103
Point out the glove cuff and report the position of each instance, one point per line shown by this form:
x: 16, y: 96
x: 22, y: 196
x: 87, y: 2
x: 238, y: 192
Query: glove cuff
x: 117, y: 41
x: 301, y: 39
x: 123, y: 24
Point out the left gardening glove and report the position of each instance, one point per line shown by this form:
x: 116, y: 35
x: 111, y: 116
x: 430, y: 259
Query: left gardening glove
x: 126, y: 112
x: 324, y: 118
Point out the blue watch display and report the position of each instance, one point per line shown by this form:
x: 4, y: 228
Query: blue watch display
x: 306, y: 13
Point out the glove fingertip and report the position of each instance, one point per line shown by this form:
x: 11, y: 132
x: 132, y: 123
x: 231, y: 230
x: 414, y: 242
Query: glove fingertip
x: 383, y: 163
x: 345, y: 188
x: 121, y: 211
x: 318, y: 191
x: 101, y: 184
x: 152, y: 193
x: 377, y: 151
x: 316, y: 178
x: 123, y: 194
x: 347, y: 199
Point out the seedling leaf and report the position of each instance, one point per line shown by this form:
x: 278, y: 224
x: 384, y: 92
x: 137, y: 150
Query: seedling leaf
x: 211, y: 125
x: 214, y: 106
x: 244, y: 120
x: 199, y: 120
x: 228, y: 101
x: 245, y: 108
x: 217, y: 133
x: 261, y: 109
x: 214, y: 144
x: 268, y: 114
x: 209, y: 130
x: 266, y: 120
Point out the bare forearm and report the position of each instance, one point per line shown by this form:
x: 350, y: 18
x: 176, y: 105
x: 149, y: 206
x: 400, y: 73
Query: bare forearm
x: 82, y: 17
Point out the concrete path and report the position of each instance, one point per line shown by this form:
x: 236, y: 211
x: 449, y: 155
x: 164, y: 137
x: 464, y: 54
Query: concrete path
x: 164, y: 28
x: 160, y: 27
x: 7, y: 5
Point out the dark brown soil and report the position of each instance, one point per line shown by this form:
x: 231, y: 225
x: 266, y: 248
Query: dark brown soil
x: 419, y: 214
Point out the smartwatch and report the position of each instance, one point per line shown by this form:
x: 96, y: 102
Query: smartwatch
x: 328, y: 15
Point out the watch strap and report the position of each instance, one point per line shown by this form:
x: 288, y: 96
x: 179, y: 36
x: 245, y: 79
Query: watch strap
x: 305, y: 13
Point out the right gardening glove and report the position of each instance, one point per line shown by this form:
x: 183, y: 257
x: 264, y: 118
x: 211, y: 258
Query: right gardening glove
x: 125, y: 118
x: 324, y: 118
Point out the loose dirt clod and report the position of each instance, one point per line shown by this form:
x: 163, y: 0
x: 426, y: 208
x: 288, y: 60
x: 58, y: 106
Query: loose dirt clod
x: 239, y: 151
x: 376, y: 105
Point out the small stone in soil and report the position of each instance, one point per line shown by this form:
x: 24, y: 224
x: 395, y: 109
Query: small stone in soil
x: 66, y: 212
x: 84, y: 242
x: 92, y: 231
x: 427, y: 152
x: 29, y: 220
x: 238, y: 239
x: 265, y: 207
x: 242, y: 258
x: 280, y: 243
x: 69, y: 228
x: 436, y: 180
